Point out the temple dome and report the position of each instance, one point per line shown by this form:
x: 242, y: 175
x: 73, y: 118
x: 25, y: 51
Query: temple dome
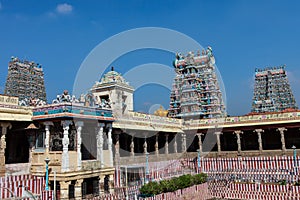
x: 112, y: 77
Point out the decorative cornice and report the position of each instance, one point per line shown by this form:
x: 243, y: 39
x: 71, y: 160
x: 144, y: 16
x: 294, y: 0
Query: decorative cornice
x: 71, y: 110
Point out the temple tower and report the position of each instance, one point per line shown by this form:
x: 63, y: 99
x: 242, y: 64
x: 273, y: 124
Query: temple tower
x: 25, y: 80
x: 196, y: 92
x: 272, y: 91
x: 113, y: 91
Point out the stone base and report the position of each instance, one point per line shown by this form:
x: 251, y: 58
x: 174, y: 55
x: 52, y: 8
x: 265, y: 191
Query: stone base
x: 2, y: 169
x: 2, y: 172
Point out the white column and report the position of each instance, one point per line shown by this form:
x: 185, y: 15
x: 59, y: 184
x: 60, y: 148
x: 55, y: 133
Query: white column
x: 132, y: 145
x: 109, y: 140
x: 99, y: 139
x: 167, y: 144
x: 145, y: 145
x: 260, y: 146
x: 218, y: 141
x: 183, y: 142
x: 47, y: 137
x: 238, y: 140
x: 65, y: 155
x: 79, y: 126
x: 200, y: 142
x: 156, y: 145
x: 117, y: 146
x: 281, y: 131
x: 175, y: 143
x: 4, y: 126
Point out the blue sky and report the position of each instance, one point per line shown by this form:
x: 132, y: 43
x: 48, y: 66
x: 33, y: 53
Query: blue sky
x: 243, y: 34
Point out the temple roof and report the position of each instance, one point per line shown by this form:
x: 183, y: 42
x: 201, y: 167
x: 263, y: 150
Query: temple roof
x: 112, y: 76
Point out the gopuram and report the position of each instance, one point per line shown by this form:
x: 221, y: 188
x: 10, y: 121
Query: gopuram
x: 95, y: 144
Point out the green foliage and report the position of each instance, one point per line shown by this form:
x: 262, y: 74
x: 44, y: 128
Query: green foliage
x: 176, y: 183
x: 150, y: 188
x: 199, y: 178
x: 282, y: 182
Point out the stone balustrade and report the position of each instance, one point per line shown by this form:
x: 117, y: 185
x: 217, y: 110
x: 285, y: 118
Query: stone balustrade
x: 135, y: 120
x: 255, y: 119
x: 38, y: 165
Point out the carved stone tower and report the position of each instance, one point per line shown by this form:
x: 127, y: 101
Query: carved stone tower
x: 272, y: 91
x: 196, y: 91
x: 25, y: 80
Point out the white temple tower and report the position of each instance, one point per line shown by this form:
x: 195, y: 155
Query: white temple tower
x: 114, y: 91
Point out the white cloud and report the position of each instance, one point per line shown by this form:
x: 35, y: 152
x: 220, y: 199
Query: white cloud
x: 64, y: 8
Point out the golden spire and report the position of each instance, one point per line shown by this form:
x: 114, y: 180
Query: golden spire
x: 161, y: 112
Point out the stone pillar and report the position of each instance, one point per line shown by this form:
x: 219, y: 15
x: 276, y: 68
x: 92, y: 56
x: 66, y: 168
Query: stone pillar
x: 183, y: 140
x: 101, y: 184
x: 156, y: 145
x: 65, y: 154
x: 238, y: 140
x: 64, y: 189
x: 78, y: 189
x: 260, y: 146
x: 218, y: 141
x: 47, y: 137
x: 281, y: 131
x: 109, y: 141
x: 111, y: 183
x: 31, y: 140
x: 132, y: 146
x: 117, y: 146
x: 79, y: 126
x: 99, y: 138
x: 145, y: 145
x: 167, y: 145
x: 200, y: 142
x: 4, y: 126
x: 175, y: 144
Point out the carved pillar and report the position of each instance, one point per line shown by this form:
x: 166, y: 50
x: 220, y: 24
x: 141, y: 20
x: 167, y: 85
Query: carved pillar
x: 167, y: 144
x: 101, y: 184
x: 175, y: 143
x: 100, y: 141
x: 183, y: 144
x: 260, y: 146
x: 4, y: 126
x: 77, y: 188
x: 109, y: 141
x: 79, y: 126
x: 64, y: 189
x: 132, y: 146
x: 47, y: 136
x: 117, y: 146
x: 111, y: 183
x: 65, y: 154
x: 200, y: 142
x: 218, y: 141
x: 156, y: 145
x: 281, y: 131
x: 145, y: 145
x: 238, y: 140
